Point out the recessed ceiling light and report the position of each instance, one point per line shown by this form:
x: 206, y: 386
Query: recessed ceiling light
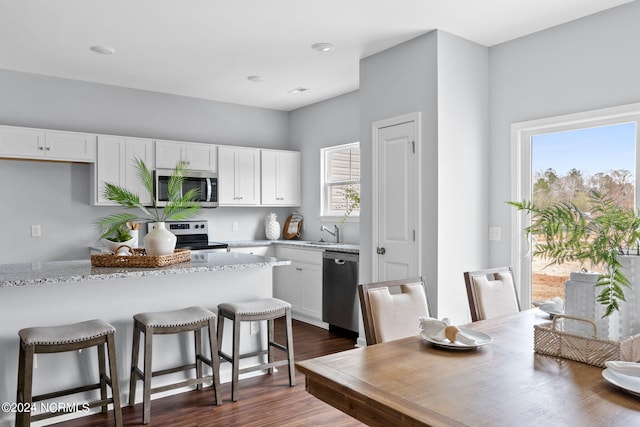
x: 103, y: 50
x: 323, y: 47
x: 256, y: 79
x: 298, y: 90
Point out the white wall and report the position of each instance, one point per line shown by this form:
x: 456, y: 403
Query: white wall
x: 56, y: 195
x: 324, y: 124
x: 587, y: 64
x: 463, y: 169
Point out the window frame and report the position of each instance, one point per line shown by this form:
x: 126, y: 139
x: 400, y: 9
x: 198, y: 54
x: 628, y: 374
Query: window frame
x: 521, y: 174
x: 325, y: 186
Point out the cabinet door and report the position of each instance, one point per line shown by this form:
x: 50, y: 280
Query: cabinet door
x: 311, y: 286
x: 226, y: 176
x: 286, y: 285
x: 248, y: 177
x: 71, y: 146
x: 238, y: 176
x: 202, y: 157
x: 109, y: 166
x: 21, y: 143
x: 169, y: 153
x: 137, y: 148
x: 280, y: 184
x: 115, y: 163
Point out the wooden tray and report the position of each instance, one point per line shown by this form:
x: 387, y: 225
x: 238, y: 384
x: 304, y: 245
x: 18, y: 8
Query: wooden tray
x: 140, y: 259
x: 550, y: 340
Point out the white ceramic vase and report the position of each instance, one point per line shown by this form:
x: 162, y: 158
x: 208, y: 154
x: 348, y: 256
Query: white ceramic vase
x: 272, y: 227
x: 159, y: 241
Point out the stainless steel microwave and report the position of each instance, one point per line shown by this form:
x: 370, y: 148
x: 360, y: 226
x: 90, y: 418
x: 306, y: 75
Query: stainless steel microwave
x: 204, y: 181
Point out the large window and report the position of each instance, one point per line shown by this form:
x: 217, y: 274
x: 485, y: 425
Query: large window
x: 561, y: 159
x: 340, y: 179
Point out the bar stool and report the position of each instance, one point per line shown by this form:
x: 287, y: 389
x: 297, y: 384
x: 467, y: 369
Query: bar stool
x: 191, y: 319
x: 262, y: 309
x: 64, y: 338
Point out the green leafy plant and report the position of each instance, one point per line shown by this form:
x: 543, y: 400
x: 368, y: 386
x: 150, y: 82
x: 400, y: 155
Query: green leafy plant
x: 120, y: 235
x: 352, y: 198
x: 178, y: 207
x: 598, y: 237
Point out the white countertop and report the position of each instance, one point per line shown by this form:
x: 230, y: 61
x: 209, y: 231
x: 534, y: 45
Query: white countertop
x: 45, y: 273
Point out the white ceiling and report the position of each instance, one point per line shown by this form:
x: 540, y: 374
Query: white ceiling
x: 207, y: 48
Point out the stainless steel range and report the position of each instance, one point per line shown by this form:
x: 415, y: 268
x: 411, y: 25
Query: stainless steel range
x: 194, y: 235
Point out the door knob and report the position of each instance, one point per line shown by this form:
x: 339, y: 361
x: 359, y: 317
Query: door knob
x: 380, y: 251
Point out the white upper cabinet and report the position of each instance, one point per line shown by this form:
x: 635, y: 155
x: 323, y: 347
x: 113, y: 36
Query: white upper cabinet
x: 201, y: 157
x: 280, y: 184
x: 39, y: 144
x: 238, y: 176
x: 116, y: 164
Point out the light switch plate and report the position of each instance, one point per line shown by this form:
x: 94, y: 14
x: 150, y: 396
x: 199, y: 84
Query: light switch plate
x: 495, y: 234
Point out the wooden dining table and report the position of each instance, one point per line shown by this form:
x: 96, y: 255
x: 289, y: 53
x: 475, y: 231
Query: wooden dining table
x: 412, y: 382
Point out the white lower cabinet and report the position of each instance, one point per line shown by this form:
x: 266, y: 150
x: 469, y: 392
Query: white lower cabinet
x: 300, y: 283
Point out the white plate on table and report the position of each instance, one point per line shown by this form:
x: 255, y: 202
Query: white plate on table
x: 625, y: 382
x: 479, y: 337
x: 550, y: 308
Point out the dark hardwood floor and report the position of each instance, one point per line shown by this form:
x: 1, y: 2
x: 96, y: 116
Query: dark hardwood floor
x: 266, y: 400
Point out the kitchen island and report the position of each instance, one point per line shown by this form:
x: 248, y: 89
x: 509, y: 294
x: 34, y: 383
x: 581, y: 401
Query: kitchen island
x: 62, y: 292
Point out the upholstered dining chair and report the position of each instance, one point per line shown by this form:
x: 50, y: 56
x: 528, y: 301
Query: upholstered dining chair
x: 491, y: 293
x: 390, y: 310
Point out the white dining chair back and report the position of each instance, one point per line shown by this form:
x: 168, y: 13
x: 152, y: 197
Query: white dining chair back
x: 391, y: 309
x: 491, y: 293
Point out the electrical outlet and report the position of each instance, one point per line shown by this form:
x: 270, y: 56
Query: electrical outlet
x: 36, y: 231
x: 234, y: 226
x: 255, y: 328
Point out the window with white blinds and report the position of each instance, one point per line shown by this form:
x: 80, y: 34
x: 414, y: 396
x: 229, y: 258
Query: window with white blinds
x: 341, y: 175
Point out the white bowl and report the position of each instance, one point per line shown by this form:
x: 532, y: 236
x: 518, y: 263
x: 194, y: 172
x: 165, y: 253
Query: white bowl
x: 113, y: 246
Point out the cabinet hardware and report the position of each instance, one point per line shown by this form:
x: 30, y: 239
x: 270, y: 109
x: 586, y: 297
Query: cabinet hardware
x: 381, y: 251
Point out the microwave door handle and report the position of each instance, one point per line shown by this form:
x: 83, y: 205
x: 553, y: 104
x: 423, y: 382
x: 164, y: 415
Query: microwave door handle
x: 209, y: 195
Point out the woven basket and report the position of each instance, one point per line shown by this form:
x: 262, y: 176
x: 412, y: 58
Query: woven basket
x: 550, y: 340
x: 140, y: 259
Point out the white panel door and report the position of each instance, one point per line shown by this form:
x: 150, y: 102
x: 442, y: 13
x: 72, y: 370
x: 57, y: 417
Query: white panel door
x: 396, y: 249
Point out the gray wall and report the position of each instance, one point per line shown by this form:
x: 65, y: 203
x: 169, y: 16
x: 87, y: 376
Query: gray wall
x: 399, y: 81
x: 56, y: 195
x: 325, y: 124
x: 463, y: 169
x: 587, y: 64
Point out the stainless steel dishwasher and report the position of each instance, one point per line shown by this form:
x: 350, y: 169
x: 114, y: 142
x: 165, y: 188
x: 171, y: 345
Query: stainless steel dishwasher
x: 339, y: 290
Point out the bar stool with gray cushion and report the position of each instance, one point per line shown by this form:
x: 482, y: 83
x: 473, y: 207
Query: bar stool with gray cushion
x: 190, y: 319
x: 267, y: 309
x: 65, y: 338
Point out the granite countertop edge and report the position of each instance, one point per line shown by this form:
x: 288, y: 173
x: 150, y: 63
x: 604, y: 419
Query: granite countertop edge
x: 306, y: 244
x: 60, y: 272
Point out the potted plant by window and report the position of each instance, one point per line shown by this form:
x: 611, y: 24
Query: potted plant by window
x: 179, y: 206
x: 600, y: 238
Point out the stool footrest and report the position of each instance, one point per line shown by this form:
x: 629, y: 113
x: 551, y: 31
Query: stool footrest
x: 92, y: 404
x: 262, y: 366
x: 73, y: 390
x: 185, y: 383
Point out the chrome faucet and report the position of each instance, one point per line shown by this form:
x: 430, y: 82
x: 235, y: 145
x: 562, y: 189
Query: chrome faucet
x: 335, y: 233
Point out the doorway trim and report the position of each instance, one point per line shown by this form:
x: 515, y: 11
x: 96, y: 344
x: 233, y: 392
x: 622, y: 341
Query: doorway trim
x: 521, y: 134
x: 415, y: 117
